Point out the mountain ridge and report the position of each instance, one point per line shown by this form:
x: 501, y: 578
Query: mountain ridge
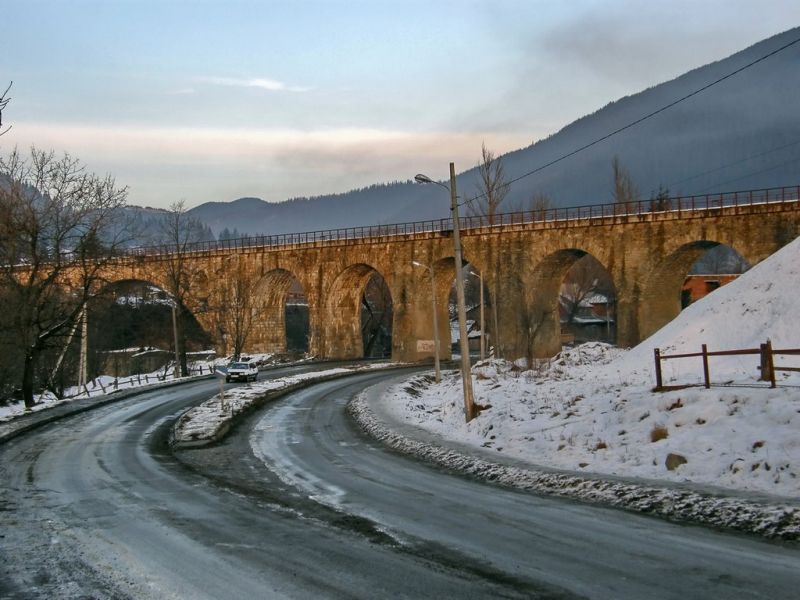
x: 740, y: 134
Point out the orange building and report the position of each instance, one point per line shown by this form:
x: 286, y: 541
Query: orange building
x: 697, y: 286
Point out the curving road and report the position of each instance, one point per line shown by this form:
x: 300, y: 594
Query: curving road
x: 297, y: 504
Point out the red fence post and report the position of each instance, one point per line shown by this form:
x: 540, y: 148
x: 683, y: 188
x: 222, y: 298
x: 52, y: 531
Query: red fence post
x: 705, y: 367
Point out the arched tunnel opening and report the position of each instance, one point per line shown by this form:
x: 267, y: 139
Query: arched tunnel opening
x: 480, y: 313
x: 586, y: 303
x: 130, y: 332
x: 376, y: 318
x: 688, y: 274
x: 568, y: 298
x: 296, y: 318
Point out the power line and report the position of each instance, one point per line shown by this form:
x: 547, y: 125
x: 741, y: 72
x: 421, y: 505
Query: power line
x: 644, y: 118
x: 768, y: 169
x: 731, y: 164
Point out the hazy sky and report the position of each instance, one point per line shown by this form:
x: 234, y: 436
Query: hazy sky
x: 207, y: 100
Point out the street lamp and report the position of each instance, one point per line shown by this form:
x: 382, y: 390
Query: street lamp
x: 175, y: 335
x: 483, y: 331
x: 435, y: 320
x: 466, y: 377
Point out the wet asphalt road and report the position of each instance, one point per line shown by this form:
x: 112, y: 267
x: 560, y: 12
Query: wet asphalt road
x: 297, y: 504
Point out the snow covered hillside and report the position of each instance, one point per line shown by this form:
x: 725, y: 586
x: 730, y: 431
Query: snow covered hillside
x: 592, y: 409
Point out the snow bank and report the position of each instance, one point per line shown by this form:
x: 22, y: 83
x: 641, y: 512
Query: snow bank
x: 209, y: 421
x: 591, y: 409
x: 772, y: 520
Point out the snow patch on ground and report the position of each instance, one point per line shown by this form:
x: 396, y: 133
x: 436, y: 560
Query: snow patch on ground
x: 207, y: 421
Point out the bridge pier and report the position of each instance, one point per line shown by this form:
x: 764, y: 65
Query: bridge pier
x: 413, y: 336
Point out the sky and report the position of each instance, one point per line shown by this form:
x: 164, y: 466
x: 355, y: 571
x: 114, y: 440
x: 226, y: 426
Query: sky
x: 211, y: 100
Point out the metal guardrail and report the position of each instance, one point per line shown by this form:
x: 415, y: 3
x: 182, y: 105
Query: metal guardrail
x: 677, y: 208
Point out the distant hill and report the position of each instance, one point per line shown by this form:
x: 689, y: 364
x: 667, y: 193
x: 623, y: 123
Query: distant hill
x: 743, y: 133
x: 374, y: 205
x: 145, y: 226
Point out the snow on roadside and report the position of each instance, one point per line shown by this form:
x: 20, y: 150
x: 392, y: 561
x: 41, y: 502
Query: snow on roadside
x: 106, y: 384
x: 592, y: 409
x: 205, y: 422
x: 772, y: 520
x: 102, y: 385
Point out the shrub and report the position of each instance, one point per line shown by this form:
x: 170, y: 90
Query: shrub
x: 658, y: 433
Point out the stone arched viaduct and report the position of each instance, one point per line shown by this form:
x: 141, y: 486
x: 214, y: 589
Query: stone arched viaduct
x: 647, y: 255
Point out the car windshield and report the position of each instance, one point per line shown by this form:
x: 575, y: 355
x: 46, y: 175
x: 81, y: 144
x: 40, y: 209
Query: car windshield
x: 238, y: 366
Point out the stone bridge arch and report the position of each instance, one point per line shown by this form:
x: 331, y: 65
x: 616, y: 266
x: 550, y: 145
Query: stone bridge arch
x: 539, y: 319
x: 340, y: 318
x: 195, y: 325
x: 424, y: 294
x: 660, y: 298
x: 269, y: 307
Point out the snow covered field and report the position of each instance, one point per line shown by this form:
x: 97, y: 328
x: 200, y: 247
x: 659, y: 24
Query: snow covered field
x: 592, y: 410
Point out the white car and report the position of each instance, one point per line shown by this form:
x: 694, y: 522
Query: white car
x: 241, y: 371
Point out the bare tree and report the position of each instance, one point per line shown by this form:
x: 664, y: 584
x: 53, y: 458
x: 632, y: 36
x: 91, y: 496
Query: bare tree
x: 492, y: 188
x: 531, y: 322
x: 376, y: 317
x: 238, y: 309
x: 586, y: 278
x: 626, y: 195
x: 4, y: 100
x: 178, y: 232
x: 660, y: 201
x: 58, y: 230
x: 539, y: 204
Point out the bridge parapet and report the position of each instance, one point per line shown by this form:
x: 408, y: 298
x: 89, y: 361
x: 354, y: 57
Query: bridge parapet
x: 677, y: 208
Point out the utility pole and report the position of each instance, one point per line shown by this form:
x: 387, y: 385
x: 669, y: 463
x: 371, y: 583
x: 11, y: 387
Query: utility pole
x: 483, y: 323
x: 175, y: 335
x: 435, y: 321
x: 83, y: 366
x: 466, y: 374
x: 435, y: 328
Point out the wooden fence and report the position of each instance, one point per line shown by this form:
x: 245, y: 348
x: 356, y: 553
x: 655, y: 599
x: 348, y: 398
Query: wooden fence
x: 766, y: 365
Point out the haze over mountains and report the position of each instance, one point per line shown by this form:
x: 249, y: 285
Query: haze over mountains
x: 743, y: 133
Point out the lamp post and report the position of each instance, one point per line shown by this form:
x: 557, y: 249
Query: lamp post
x: 466, y: 376
x: 483, y: 331
x: 175, y: 335
x: 435, y: 321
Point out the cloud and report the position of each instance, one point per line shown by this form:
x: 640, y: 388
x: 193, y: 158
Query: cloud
x: 162, y: 164
x: 271, y: 85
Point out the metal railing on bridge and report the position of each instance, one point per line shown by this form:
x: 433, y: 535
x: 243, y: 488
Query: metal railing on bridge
x: 676, y: 208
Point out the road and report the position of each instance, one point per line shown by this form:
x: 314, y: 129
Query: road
x: 297, y: 504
